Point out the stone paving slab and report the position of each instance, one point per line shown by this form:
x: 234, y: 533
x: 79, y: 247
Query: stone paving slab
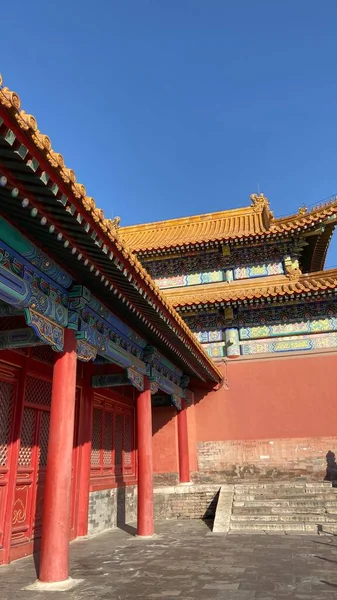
x: 184, y: 562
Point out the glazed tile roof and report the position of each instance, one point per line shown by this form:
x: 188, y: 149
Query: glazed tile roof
x: 108, y: 228
x: 253, y: 289
x: 255, y: 221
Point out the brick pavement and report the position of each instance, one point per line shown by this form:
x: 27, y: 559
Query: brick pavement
x: 185, y: 561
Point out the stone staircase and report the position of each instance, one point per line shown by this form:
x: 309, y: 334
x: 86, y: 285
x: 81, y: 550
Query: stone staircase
x: 277, y: 507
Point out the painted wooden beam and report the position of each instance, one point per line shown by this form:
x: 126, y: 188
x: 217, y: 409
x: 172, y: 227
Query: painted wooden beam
x: 130, y: 377
x: 18, y: 338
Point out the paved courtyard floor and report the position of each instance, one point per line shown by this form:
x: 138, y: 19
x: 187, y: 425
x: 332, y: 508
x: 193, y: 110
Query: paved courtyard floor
x: 187, y: 562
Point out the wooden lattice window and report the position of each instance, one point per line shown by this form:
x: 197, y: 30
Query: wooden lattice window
x: 108, y: 438
x: 96, y: 437
x: 27, y: 436
x: 38, y: 391
x: 44, y: 354
x: 119, y: 443
x: 6, y: 407
x: 44, y: 437
x: 112, y: 447
x: 128, y: 437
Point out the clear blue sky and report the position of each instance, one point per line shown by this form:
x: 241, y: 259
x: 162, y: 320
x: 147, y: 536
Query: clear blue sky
x: 167, y: 108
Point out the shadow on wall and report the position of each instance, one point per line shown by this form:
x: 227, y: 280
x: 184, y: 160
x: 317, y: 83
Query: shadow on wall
x: 121, y: 500
x: 331, y: 467
x: 161, y: 416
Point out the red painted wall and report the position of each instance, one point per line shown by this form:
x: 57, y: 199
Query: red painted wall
x: 165, y: 440
x: 282, y: 397
x: 276, y: 419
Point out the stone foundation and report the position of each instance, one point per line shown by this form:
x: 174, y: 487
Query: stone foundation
x: 167, y: 479
x: 114, y: 508
x: 186, y: 502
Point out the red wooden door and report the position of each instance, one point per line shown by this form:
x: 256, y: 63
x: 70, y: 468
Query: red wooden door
x: 31, y: 469
x: 8, y: 383
x: 32, y: 463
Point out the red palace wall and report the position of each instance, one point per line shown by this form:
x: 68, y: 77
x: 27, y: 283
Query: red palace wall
x: 277, y: 419
x: 165, y: 444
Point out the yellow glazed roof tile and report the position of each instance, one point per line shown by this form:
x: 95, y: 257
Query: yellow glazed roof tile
x: 256, y: 220
x: 276, y: 285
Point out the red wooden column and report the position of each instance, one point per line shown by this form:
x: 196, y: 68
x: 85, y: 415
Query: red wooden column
x: 54, y: 561
x: 184, y: 463
x: 85, y: 442
x: 145, y: 524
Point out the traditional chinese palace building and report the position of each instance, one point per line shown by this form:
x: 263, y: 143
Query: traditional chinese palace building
x: 252, y: 289
x: 201, y: 349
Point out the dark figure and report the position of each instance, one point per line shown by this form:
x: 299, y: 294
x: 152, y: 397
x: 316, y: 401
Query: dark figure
x: 331, y: 467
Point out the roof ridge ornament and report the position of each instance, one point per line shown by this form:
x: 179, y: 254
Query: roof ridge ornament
x: 302, y: 210
x: 260, y: 204
x: 114, y: 223
x: 259, y: 201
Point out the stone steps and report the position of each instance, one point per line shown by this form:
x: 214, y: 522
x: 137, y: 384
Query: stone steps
x: 287, y: 503
x: 283, y: 527
x: 297, y: 507
x: 284, y: 510
x: 277, y: 485
x: 285, y: 518
x: 329, y: 495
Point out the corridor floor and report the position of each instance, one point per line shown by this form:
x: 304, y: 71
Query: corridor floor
x: 187, y: 562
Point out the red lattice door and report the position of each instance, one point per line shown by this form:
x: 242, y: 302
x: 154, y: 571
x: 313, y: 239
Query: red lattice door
x: 7, y: 401
x: 32, y: 462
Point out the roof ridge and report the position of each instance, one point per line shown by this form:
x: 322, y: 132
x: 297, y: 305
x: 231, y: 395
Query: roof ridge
x: 189, y: 219
x: 303, y: 211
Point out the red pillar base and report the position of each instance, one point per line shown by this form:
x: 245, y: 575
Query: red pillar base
x: 54, y: 559
x: 145, y: 523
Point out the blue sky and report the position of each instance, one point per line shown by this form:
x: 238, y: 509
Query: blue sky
x: 166, y: 108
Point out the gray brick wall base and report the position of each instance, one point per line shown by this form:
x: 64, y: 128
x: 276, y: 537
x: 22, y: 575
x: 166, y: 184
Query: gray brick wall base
x: 114, y: 508
x: 111, y: 508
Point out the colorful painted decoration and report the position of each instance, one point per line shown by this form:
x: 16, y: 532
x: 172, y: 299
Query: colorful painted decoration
x: 232, y: 343
x: 328, y: 340
x: 259, y: 270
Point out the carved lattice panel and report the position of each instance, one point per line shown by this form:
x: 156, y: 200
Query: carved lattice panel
x: 128, y: 442
x: 96, y: 436
x: 6, y: 407
x: 107, y: 448
x: 119, y: 441
x: 43, y: 438
x: 38, y: 391
x: 27, y: 437
x: 10, y: 323
x: 44, y: 354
